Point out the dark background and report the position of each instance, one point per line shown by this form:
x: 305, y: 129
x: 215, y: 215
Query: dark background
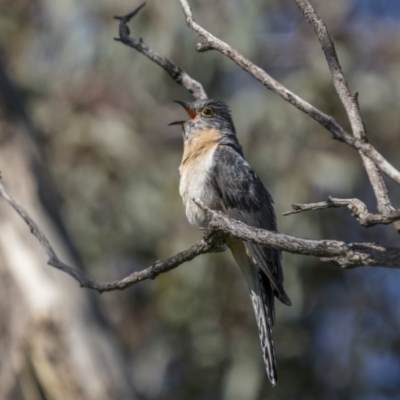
x: 101, y: 112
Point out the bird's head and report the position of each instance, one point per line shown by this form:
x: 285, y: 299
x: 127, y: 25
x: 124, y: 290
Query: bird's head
x: 206, y: 115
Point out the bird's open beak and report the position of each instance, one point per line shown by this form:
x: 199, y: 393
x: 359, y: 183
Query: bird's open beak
x: 190, y: 111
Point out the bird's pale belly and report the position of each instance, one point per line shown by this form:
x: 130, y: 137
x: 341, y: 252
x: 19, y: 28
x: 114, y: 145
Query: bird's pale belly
x: 195, y: 184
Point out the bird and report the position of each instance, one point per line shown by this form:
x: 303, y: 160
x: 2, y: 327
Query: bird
x: 215, y: 171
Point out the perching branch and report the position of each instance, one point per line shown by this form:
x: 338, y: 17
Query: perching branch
x: 174, y: 70
x: 346, y: 255
x: 372, y: 160
x: 210, y: 42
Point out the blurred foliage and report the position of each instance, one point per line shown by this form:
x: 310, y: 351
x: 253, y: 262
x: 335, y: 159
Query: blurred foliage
x: 102, y: 112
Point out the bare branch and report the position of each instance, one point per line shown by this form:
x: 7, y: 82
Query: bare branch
x: 349, y: 101
x: 174, y: 70
x: 211, y: 242
x: 210, y: 42
x: 346, y: 255
x: 358, y: 210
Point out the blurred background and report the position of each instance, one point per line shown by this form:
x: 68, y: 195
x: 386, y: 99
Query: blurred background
x: 85, y: 147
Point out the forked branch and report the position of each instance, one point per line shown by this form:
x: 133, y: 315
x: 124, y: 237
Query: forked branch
x: 346, y: 255
x: 371, y: 158
x: 174, y: 70
x: 210, y: 42
x: 357, y: 208
x: 349, y: 101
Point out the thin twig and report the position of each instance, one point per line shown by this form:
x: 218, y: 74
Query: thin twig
x: 210, y: 42
x: 174, y: 70
x: 358, y: 210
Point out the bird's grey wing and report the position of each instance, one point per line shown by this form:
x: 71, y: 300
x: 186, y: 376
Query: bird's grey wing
x: 244, y: 198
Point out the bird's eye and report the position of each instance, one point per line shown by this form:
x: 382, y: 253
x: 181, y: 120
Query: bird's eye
x: 207, y: 112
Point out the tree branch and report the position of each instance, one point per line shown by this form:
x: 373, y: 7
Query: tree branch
x: 349, y: 101
x: 174, y: 70
x: 211, y: 242
x: 346, y: 255
x: 210, y: 42
x: 358, y: 210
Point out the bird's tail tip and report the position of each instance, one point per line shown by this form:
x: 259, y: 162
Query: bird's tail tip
x: 283, y: 297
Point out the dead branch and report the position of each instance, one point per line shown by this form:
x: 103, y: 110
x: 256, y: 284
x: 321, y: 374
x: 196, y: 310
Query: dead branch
x: 372, y: 160
x: 346, y: 255
x: 211, y: 242
x: 210, y: 42
x: 174, y: 70
x: 358, y: 210
x: 349, y: 101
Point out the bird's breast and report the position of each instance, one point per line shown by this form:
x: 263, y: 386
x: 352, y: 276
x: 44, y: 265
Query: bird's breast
x: 195, y: 181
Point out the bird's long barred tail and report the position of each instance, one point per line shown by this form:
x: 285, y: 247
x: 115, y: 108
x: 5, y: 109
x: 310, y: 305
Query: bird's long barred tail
x: 263, y: 304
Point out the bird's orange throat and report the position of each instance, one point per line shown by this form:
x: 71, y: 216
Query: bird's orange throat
x: 200, y: 144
